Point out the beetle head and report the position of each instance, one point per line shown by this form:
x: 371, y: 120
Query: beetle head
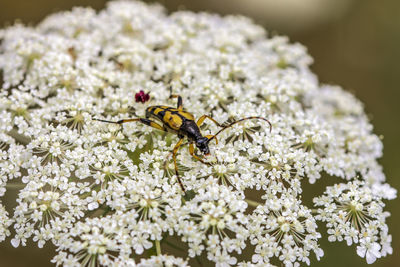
x: 202, y: 144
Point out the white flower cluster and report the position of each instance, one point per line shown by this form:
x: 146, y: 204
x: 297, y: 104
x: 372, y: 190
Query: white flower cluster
x: 108, y: 195
x: 284, y: 228
x: 355, y: 214
x: 5, y: 222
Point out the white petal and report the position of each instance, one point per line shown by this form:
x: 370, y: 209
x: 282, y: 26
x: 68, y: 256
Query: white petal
x: 93, y: 205
x: 361, y: 251
x: 15, y: 242
x: 370, y: 258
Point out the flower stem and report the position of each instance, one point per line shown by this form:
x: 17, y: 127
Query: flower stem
x: 158, y: 247
x: 253, y: 203
x: 314, y: 211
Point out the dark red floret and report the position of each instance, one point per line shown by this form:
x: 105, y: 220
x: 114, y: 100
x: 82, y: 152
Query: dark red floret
x: 142, y: 96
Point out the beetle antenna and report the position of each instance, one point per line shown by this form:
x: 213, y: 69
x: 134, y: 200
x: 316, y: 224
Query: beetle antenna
x: 170, y: 90
x: 233, y: 123
x: 105, y: 121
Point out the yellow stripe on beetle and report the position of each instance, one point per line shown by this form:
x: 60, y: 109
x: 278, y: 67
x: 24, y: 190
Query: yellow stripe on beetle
x: 157, y: 110
x: 186, y: 115
x: 173, y: 120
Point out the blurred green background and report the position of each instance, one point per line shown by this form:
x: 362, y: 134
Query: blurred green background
x: 355, y: 44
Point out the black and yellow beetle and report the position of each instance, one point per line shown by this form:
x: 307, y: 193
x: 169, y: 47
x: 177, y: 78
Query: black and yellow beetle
x: 182, y: 123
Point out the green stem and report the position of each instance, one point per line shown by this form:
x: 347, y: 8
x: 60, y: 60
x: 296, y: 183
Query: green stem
x: 158, y: 247
x: 253, y: 203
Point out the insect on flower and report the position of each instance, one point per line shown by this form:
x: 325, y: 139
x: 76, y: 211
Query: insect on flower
x: 182, y: 123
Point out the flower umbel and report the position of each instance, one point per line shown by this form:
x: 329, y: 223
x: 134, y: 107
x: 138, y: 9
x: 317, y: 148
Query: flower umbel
x: 355, y: 214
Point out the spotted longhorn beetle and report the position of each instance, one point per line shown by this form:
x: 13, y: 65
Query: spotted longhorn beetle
x: 182, y: 123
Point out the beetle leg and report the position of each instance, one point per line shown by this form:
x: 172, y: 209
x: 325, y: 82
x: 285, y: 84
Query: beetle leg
x: 191, y: 151
x: 202, y: 118
x: 153, y: 124
x: 141, y: 120
x: 174, y: 152
x: 210, y: 137
x: 180, y: 102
